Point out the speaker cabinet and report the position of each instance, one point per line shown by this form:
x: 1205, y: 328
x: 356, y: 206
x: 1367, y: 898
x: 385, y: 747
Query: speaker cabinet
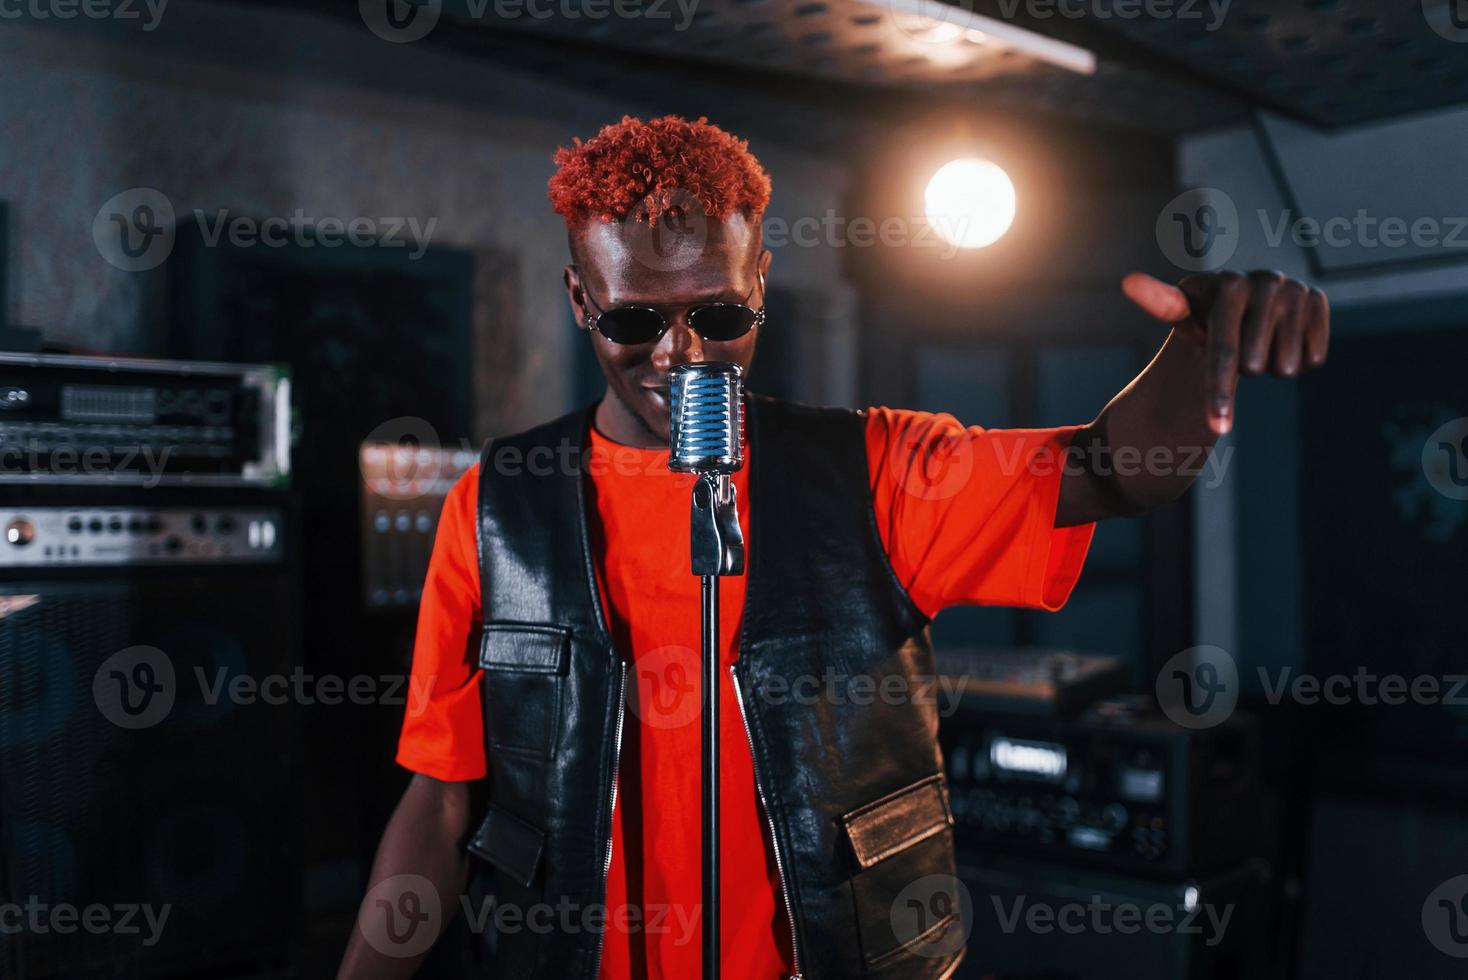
x: 1040, y: 921
x: 146, y: 819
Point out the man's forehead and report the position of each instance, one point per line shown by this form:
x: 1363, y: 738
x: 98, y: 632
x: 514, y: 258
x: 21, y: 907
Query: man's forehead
x: 672, y: 258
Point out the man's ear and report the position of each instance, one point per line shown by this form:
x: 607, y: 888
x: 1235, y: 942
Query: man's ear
x: 765, y: 258
x: 572, y: 279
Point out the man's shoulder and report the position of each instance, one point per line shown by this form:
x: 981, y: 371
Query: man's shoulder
x: 768, y: 406
x: 567, y: 425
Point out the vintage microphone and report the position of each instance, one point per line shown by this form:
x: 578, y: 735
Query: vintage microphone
x: 706, y: 437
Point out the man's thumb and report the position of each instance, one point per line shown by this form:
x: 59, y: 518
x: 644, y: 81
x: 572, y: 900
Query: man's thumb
x: 1157, y: 298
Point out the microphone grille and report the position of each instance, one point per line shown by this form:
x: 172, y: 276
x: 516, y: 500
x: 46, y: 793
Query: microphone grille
x: 707, y: 417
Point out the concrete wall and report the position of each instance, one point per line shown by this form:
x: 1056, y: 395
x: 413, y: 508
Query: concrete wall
x: 1250, y: 588
x: 266, y: 111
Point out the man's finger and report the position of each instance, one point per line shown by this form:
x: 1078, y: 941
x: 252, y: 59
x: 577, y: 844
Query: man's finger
x: 1289, y: 329
x: 1157, y: 298
x: 1317, y: 328
x: 1224, y: 319
x: 1260, y: 317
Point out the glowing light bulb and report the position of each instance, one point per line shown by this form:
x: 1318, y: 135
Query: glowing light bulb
x: 970, y: 202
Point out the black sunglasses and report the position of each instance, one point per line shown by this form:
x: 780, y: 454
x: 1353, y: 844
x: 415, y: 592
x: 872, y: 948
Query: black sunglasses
x: 642, y: 324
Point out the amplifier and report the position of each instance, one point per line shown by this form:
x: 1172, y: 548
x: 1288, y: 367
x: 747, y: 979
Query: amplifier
x: 148, y: 561
x: 1032, y: 682
x: 1118, y: 787
x: 403, y: 488
x: 120, y: 421
x: 1036, y: 920
x: 134, y: 785
x: 63, y: 537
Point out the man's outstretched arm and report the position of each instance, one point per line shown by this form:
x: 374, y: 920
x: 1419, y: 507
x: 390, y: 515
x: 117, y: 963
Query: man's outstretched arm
x: 1147, y: 446
x: 424, y: 838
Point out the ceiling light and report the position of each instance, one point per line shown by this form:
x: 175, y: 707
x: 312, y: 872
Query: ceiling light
x: 970, y: 202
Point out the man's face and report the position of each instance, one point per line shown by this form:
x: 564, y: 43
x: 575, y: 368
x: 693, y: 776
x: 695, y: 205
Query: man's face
x: 630, y: 263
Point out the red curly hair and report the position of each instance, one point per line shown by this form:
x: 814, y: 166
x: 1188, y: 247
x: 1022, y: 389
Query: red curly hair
x: 647, y: 168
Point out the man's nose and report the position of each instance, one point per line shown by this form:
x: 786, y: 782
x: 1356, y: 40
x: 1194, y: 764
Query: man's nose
x: 680, y: 345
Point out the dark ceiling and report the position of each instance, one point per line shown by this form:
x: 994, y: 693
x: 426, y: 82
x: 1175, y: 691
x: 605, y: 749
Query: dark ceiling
x: 1325, y: 62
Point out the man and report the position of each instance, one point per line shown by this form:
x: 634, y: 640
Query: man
x: 559, y: 626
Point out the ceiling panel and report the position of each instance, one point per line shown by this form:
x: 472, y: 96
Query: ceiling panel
x: 1165, y: 66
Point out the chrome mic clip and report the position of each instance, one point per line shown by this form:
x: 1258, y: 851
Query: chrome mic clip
x: 717, y: 542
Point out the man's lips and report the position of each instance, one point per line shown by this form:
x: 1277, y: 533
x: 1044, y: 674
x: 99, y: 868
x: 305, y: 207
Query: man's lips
x: 659, y: 393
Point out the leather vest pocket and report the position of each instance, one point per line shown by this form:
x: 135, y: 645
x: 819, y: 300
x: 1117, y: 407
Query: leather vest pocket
x: 510, y: 844
x: 525, y: 668
x: 905, y: 886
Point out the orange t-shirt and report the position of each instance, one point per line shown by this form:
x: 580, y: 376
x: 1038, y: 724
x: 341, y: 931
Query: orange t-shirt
x: 967, y: 517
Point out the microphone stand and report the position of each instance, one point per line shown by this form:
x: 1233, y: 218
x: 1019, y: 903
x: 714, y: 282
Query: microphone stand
x: 717, y: 549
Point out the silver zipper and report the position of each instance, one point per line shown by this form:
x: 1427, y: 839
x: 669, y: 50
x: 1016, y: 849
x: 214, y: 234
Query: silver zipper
x: 606, y: 868
x: 774, y: 840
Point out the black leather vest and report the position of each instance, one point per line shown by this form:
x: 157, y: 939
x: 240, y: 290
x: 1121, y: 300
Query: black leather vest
x: 836, y: 683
